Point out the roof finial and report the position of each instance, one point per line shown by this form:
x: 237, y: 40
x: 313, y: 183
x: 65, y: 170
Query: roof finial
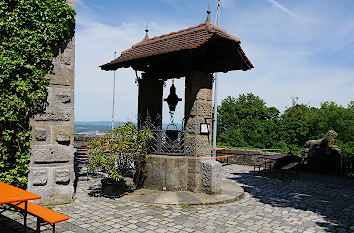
x: 146, y: 33
x: 208, y: 17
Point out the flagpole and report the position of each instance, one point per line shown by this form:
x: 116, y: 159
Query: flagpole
x: 114, y: 90
x: 215, y: 120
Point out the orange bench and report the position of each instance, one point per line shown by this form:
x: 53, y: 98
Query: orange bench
x: 43, y: 214
x: 225, y: 156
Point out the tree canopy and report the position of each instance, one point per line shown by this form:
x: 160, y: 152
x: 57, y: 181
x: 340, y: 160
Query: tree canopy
x: 248, y: 122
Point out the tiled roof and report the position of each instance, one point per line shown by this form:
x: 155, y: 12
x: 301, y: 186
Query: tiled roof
x: 186, y: 39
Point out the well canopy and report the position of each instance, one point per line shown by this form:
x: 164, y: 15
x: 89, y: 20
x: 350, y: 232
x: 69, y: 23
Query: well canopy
x: 205, y: 47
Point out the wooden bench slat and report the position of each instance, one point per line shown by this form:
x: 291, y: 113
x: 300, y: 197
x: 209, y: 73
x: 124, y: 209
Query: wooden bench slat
x: 47, y: 215
x: 290, y: 165
x: 224, y: 156
x: 259, y: 163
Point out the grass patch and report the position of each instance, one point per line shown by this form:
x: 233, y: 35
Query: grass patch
x: 186, y: 205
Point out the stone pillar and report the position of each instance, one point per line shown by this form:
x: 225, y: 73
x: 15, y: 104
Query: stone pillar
x: 203, y: 174
x: 150, y: 100
x: 198, y: 109
x: 51, y: 169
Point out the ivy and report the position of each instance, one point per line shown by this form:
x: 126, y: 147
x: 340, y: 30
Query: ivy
x: 32, y: 32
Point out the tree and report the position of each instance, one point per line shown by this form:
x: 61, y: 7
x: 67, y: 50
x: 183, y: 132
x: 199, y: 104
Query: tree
x: 340, y: 119
x: 32, y: 32
x: 246, y: 121
x: 295, y: 127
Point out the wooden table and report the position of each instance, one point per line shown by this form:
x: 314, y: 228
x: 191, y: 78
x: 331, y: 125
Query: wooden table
x: 275, y: 156
x: 10, y: 194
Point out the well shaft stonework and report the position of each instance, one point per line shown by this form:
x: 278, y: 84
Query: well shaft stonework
x: 198, y: 109
x: 51, y: 169
x: 195, y: 171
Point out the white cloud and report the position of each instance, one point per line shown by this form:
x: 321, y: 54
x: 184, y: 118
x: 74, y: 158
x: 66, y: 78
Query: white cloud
x: 281, y: 7
x: 277, y: 78
x: 95, y: 45
x: 286, y: 52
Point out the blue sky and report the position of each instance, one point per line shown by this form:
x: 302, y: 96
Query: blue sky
x: 300, y: 48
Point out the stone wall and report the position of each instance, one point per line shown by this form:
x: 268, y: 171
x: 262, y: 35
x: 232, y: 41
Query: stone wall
x: 181, y: 173
x: 51, y: 170
x: 243, y: 157
x: 82, y: 140
x: 198, y: 109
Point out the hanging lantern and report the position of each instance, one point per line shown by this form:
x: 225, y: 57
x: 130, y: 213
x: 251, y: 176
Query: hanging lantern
x: 172, y: 99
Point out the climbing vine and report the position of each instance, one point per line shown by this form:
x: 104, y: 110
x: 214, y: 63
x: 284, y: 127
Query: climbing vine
x: 32, y: 32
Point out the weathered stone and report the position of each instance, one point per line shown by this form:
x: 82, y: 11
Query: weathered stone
x: 204, y: 94
x: 176, y: 172
x: 62, y: 176
x: 204, y: 108
x: 190, y: 145
x: 71, y: 3
x: 63, y: 98
x: 53, y: 195
x: 211, y: 176
x: 156, y: 172
x: 51, y: 154
x: 64, y: 79
x: 38, y: 177
x: 198, y: 108
x: 192, y: 126
x: 54, y: 116
x: 63, y: 135
x: 40, y: 134
x: 203, y: 147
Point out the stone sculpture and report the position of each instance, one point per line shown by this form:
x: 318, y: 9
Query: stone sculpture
x: 322, y: 155
x: 325, y: 144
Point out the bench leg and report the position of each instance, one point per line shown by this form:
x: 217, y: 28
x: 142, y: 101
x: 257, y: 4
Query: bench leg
x: 53, y: 227
x: 38, y: 229
x: 25, y: 217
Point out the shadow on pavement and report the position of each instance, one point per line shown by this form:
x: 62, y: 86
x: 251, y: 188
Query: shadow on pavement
x: 10, y: 225
x: 333, y: 201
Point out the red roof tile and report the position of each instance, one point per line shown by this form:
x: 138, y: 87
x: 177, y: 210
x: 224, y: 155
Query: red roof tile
x: 186, y: 39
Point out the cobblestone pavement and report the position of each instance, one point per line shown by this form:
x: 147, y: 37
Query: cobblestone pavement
x: 306, y: 204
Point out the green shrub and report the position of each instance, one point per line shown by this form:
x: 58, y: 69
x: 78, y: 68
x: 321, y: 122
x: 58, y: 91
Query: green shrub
x: 117, y: 151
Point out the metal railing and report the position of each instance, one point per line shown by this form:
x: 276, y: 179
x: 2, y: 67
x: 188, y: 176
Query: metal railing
x: 165, y: 141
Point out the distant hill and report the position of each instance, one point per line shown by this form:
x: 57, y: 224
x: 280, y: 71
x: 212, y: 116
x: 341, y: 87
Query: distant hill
x: 100, y: 127
x: 93, y: 128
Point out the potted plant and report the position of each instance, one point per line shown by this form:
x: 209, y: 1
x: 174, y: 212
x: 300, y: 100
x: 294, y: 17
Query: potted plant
x: 116, y: 154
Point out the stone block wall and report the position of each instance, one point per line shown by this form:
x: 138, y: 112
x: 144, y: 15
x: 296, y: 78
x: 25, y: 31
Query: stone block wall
x: 182, y: 173
x: 243, y: 157
x: 51, y: 169
x: 198, y: 109
x: 174, y: 173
